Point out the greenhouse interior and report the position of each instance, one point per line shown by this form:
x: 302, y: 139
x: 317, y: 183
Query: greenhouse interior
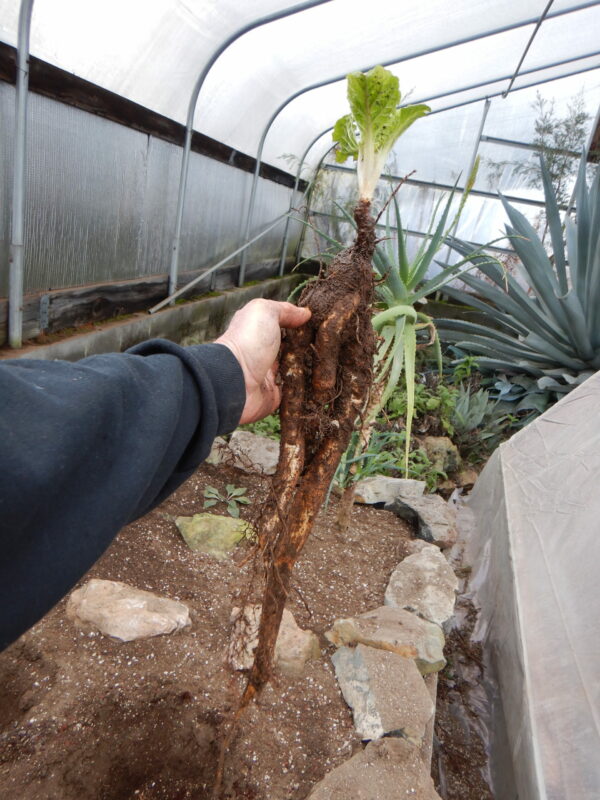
x: 420, y: 449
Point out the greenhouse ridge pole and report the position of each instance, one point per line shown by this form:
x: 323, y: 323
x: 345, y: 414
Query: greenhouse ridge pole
x: 17, y: 243
x: 428, y: 51
x: 190, y: 120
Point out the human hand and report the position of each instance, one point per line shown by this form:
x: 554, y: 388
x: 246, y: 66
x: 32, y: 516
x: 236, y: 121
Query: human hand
x: 254, y: 338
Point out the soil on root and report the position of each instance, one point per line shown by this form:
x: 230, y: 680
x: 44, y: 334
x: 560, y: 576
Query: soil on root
x: 85, y: 717
x: 326, y: 368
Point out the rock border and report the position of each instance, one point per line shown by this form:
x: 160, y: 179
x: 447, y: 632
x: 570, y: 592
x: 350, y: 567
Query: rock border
x: 387, y: 659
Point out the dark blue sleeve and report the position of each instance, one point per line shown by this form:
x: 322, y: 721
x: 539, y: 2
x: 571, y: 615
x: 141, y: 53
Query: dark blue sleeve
x: 87, y: 447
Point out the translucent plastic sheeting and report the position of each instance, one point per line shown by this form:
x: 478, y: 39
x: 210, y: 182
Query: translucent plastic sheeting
x: 101, y: 201
x: 440, y: 147
x: 152, y: 50
x: 534, y: 556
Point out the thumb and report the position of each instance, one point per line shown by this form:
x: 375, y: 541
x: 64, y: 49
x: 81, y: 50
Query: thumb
x: 291, y: 316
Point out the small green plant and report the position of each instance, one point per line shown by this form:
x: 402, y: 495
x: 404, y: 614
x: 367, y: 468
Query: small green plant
x: 268, y: 426
x: 385, y: 456
x: 437, y: 401
x: 234, y: 497
x: 471, y: 409
x: 463, y: 369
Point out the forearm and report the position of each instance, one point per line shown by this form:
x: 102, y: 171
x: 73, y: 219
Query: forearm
x: 87, y: 447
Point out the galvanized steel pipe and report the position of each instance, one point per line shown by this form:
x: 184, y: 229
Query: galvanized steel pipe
x: 190, y: 121
x: 17, y: 240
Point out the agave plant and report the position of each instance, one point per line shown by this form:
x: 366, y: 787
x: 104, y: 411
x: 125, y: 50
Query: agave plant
x: 551, y: 329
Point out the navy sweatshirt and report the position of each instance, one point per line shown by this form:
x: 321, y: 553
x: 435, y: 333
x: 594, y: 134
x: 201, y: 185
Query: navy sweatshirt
x: 87, y: 447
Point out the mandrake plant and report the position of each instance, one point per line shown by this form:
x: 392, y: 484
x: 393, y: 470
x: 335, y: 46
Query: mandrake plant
x: 326, y: 366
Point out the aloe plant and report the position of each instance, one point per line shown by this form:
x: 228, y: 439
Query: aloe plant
x: 401, y: 285
x: 550, y: 329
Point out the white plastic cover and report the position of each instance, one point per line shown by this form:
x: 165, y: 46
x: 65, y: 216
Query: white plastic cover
x: 535, y: 555
x: 152, y: 52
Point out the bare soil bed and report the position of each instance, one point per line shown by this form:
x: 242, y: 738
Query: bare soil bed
x: 84, y: 716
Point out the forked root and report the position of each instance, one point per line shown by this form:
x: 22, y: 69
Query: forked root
x: 326, y: 368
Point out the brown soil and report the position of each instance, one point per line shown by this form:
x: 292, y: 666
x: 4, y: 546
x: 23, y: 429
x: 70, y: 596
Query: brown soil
x: 86, y: 717
x: 459, y: 762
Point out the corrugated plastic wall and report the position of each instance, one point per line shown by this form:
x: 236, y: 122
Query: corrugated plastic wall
x: 101, y: 201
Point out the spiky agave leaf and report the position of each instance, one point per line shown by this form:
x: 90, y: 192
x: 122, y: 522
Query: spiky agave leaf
x: 551, y: 328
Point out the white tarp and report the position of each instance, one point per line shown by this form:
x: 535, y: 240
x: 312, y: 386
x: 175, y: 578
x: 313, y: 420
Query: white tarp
x: 535, y: 554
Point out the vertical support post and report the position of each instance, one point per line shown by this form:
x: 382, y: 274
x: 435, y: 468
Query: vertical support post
x: 17, y: 240
x: 486, y: 108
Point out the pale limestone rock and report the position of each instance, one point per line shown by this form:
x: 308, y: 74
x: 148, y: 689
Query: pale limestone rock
x: 466, y: 478
x: 213, y: 534
x: 293, y: 649
x: 124, y: 612
x: 387, y: 769
x: 396, y: 630
x: 442, y: 453
x: 434, y: 518
x: 424, y: 583
x: 219, y: 452
x: 253, y: 453
x: 380, y: 489
x: 385, y: 692
x: 416, y: 545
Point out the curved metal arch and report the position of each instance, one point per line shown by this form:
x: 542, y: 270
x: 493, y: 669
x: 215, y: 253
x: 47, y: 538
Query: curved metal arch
x: 437, y: 111
x: 295, y: 189
x: 475, y: 37
x: 174, y: 268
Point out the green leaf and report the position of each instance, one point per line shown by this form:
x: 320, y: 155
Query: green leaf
x: 237, y: 492
x: 243, y: 500
x: 233, y: 509
x: 373, y: 97
x: 209, y: 503
x: 210, y: 491
x: 410, y: 350
x: 344, y: 134
x: 555, y: 227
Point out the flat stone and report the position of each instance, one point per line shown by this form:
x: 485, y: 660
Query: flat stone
x: 253, y: 453
x: 124, y: 612
x: 424, y: 583
x: 387, y: 769
x: 293, y: 649
x: 442, y: 452
x: 213, y: 534
x: 466, y: 478
x: 219, y: 453
x: 380, y: 489
x: 385, y: 691
x: 396, y: 630
x: 434, y: 519
x: 416, y: 545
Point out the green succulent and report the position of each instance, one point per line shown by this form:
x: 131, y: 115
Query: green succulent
x: 549, y: 330
x: 402, y: 283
